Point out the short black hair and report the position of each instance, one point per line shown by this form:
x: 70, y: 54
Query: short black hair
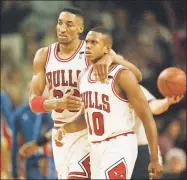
x: 75, y: 11
x: 104, y: 31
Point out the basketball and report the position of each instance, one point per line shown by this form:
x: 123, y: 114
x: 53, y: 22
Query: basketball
x: 172, y: 82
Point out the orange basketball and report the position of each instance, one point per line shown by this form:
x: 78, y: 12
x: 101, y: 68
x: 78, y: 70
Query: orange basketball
x: 172, y: 82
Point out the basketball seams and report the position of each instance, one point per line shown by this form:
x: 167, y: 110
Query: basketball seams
x: 166, y: 79
x: 170, y: 88
x: 171, y: 82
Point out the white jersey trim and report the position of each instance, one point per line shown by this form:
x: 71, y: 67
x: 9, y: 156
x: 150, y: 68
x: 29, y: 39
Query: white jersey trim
x: 94, y: 81
x: 70, y: 58
x: 48, y: 55
x: 113, y: 88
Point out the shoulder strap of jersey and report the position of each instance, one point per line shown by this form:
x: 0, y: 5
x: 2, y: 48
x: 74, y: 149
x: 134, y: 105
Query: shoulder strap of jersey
x: 116, y: 69
x: 50, y: 53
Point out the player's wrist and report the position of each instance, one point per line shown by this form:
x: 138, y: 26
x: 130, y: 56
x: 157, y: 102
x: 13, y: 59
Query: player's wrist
x: 37, y: 104
x: 154, y: 159
x: 42, y: 140
x: 63, y: 129
x: 168, y: 102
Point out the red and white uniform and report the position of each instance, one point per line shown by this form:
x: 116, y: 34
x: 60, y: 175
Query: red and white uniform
x: 62, y: 76
x: 110, y: 120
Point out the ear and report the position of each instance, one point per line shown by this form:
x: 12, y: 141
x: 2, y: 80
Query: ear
x: 107, y: 49
x: 81, y: 29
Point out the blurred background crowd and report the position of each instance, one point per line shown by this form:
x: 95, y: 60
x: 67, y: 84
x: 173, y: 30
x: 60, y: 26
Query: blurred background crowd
x: 150, y: 34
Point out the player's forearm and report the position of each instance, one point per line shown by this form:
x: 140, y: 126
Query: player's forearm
x: 50, y: 104
x: 159, y: 106
x: 151, y: 133
x: 120, y: 60
x: 77, y: 125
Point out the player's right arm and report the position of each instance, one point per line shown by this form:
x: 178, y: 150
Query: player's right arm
x: 127, y: 83
x: 38, y: 83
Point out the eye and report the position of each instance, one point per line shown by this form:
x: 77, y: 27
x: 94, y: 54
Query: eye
x: 69, y: 24
x: 94, y: 42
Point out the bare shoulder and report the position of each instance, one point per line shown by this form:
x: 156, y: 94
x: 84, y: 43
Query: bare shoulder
x: 40, y: 58
x: 41, y: 54
x: 126, y: 76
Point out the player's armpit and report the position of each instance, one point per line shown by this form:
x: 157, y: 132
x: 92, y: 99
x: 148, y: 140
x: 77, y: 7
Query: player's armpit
x: 130, y: 86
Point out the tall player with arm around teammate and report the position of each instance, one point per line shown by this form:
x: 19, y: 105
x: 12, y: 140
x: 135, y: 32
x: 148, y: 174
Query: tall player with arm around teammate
x: 59, y: 66
x: 109, y: 110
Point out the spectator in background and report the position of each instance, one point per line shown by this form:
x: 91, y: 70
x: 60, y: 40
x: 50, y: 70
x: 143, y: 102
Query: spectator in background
x: 121, y: 30
x: 6, y: 135
x: 44, y: 13
x: 168, y: 138
x: 107, y: 21
x: 149, y: 28
x: 175, y: 163
x: 11, y: 82
x: 157, y: 40
x: 181, y: 140
x: 49, y: 37
x: 179, y: 37
x: 31, y: 41
x: 156, y: 44
x: 27, y: 125
x: 13, y: 13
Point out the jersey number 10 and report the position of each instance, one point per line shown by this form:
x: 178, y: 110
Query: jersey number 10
x: 98, y: 123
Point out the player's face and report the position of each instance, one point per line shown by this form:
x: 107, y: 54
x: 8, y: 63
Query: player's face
x: 69, y: 27
x: 95, y: 46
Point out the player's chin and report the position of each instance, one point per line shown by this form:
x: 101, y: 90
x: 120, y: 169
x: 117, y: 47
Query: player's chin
x: 89, y: 58
x: 64, y: 42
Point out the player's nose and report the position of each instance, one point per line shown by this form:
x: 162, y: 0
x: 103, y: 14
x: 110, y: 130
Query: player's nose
x: 88, y: 46
x: 62, y: 29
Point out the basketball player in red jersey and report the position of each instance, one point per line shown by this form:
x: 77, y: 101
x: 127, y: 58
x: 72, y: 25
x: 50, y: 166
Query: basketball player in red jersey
x: 58, y: 66
x: 109, y: 112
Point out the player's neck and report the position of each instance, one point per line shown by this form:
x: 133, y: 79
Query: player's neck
x: 96, y: 60
x: 69, y: 48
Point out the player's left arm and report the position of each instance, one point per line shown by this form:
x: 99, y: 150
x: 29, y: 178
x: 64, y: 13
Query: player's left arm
x: 102, y: 66
x: 159, y: 106
x: 74, y: 126
x: 128, y: 83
